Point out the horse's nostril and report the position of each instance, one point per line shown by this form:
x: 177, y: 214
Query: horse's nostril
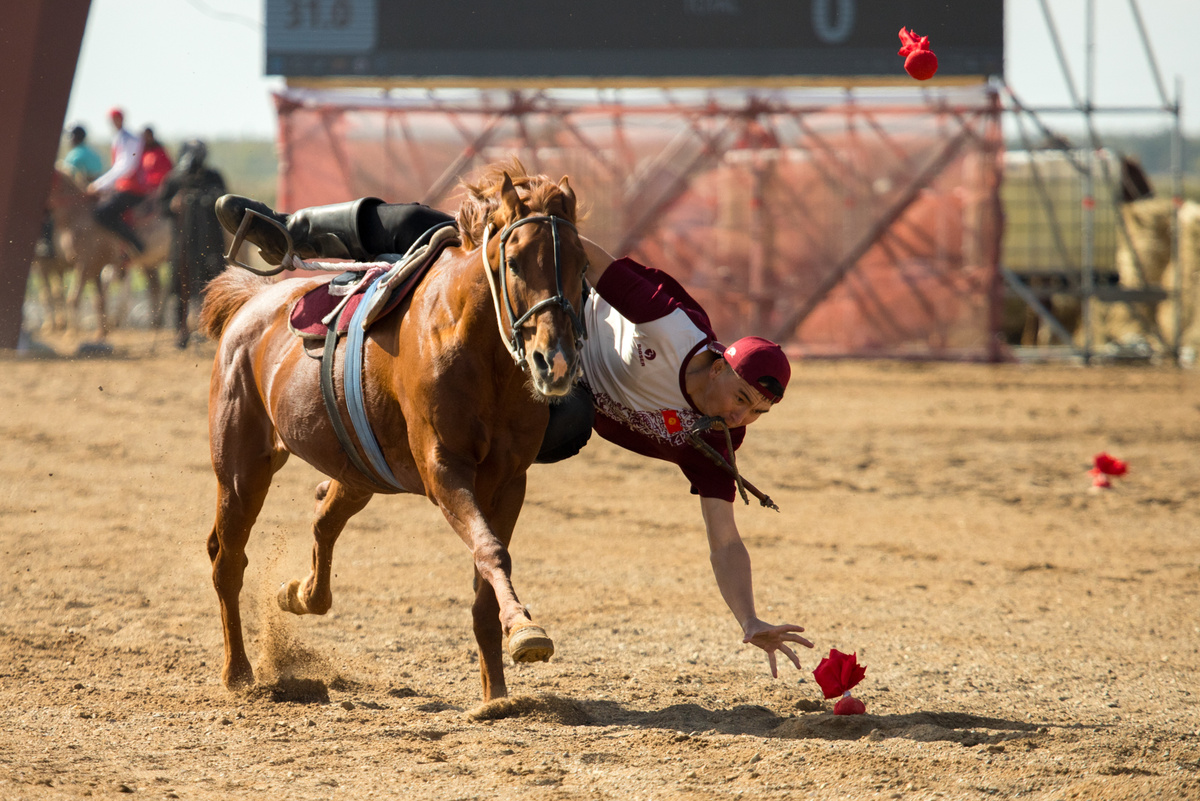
x: 539, y: 361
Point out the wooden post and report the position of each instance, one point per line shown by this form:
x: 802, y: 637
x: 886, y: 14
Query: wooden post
x: 41, y: 40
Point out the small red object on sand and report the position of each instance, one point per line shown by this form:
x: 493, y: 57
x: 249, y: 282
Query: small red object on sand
x: 1104, y: 466
x: 920, y: 62
x: 849, y: 705
x: 837, y: 674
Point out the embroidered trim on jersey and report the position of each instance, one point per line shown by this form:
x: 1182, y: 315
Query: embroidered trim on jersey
x: 651, y: 424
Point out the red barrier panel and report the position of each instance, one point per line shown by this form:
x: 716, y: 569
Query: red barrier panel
x: 846, y: 223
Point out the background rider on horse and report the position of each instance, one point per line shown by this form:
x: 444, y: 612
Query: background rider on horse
x: 120, y: 188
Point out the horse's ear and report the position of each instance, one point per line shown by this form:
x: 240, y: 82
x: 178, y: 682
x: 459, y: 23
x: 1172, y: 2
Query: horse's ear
x: 568, y: 197
x: 511, y: 200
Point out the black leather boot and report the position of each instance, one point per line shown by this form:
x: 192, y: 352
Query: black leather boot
x: 330, y: 232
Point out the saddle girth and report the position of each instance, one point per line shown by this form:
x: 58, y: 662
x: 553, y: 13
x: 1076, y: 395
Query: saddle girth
x: 329, y: 395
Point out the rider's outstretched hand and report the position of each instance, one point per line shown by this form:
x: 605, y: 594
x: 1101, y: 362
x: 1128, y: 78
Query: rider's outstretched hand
x: 776, y: 638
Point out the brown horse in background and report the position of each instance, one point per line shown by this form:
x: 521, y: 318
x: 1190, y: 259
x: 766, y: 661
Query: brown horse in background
x: 87, y: 247
x: 458, y: 413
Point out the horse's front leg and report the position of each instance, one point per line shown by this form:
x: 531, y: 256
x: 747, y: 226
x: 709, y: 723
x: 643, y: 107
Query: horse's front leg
x: 529, y: 642
x: 496, y: 601
x: 336, y: 504
x: 58, y: 301
x: 155, y: 290
x: 75, y: 299
x: 104, y: 281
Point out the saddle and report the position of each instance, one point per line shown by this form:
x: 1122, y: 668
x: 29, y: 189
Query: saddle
x: 306, y: 319
x: 336, y: 302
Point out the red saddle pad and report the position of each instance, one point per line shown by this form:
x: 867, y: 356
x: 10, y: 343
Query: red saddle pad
x: 308, y: 312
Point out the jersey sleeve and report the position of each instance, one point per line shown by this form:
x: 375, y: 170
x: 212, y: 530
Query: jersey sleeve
x: 642, y: 294
x: 707, y: 478
x: 129, y: 158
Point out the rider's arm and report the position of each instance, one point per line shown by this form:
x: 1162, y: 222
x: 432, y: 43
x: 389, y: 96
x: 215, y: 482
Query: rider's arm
x: 129, y: 158
x: 598, y: 260
x: 731, y: 566
x: 637, y: 292
x: 730, y: 559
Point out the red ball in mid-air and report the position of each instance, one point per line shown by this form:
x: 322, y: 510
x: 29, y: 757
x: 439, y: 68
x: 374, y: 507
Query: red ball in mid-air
x: 920, y: 62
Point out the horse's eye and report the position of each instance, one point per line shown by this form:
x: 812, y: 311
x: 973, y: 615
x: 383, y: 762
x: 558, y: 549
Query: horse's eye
x: 512, y: 266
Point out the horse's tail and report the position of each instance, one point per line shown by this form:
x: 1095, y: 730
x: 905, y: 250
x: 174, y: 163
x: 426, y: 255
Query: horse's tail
x: 224, y: 295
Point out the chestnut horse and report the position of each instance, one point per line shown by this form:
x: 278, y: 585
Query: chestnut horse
x: 85, y: 247
x: 458, y: 398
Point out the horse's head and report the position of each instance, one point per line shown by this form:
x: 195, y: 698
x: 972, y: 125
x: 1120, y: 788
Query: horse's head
x: 535, y: 262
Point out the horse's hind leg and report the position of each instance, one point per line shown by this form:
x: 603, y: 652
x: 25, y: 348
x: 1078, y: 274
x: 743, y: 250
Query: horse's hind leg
x: 336, y: 505
x: 244, y: 459
x: 41, y: 271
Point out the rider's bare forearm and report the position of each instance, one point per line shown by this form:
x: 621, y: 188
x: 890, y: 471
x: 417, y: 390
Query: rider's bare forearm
x: 598, y: 260
x: 730, y: 560
x: 731, y: 566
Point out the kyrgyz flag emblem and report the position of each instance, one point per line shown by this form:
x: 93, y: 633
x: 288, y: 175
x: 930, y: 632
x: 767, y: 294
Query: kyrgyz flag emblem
x: 671, y: 421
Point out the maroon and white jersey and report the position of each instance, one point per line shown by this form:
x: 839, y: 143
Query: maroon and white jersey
x: 643, y: 327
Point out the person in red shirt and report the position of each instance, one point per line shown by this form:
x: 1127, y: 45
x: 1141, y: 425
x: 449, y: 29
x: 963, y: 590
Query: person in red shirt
x: 156, y: 163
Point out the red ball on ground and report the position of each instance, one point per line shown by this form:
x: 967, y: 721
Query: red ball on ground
x: 849, y: 705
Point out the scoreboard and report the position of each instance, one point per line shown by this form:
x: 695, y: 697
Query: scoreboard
x: 624, y: 42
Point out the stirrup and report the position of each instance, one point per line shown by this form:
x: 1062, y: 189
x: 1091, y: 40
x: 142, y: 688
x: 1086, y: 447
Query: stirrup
x: 244, y: 229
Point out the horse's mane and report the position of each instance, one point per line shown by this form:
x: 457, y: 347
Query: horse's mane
x: 482, y: 198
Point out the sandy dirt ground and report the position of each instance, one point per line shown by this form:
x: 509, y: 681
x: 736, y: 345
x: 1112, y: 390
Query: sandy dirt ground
x: 1024, y: 636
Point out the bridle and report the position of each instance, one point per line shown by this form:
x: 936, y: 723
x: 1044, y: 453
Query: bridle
x: 512, y: 340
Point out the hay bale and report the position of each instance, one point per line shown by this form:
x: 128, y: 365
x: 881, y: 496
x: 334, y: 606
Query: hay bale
x: 1148, y: 246
x: 1189, y: 288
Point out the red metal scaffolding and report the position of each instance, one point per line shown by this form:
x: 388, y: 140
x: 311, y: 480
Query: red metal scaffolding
x: 848, y: 222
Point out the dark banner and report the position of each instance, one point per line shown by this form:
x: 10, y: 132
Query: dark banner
x: 625, y: 39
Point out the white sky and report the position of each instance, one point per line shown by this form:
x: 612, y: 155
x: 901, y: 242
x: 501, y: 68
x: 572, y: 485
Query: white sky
x: 194, y: 67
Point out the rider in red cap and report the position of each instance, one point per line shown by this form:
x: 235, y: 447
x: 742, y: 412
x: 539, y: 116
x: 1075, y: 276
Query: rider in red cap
x: 120, y: 188
x: 762, y: 364
x: 654, y: 373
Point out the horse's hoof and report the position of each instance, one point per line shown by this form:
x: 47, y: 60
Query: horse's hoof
x: 530, y: 643
x: 238, y: 677
x: 288, y: 597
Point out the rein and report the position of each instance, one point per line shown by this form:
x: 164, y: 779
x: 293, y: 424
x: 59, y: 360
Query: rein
x: 693, y: 437
x: 513, y: 342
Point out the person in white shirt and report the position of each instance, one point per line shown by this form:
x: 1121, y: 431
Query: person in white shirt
x: 119, y: 188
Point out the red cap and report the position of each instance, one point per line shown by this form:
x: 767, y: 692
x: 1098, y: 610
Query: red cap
x: 116, y: 115
x: 755, y: 358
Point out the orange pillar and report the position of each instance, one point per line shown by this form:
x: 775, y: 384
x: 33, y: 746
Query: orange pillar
x: 39, y: 46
